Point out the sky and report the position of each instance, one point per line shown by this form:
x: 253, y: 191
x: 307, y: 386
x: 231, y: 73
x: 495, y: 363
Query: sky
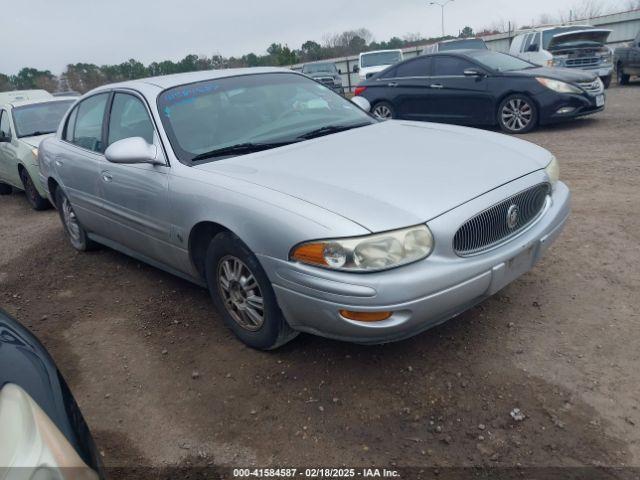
x: 48, y: 34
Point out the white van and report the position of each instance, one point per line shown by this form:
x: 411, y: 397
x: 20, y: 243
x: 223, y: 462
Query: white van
x: 575, y: 46
x: 373, y: 62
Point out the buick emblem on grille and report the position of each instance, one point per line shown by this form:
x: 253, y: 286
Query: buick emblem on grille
x: 513, y: 215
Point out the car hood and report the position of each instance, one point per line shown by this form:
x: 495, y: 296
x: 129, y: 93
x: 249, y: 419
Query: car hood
x: 391, y: 174
x: 571, y: 75
x: 35, y: 141
x: 598, y: 36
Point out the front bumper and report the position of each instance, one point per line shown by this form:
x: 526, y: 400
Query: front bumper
x: 421, y: 295
x: 581, y: 105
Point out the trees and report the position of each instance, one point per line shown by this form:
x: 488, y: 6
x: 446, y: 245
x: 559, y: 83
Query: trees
x: 466, y: 32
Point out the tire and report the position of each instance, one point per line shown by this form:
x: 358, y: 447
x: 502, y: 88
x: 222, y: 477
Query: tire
x: 235, y: 275
x: 606, y: 81
x: 517, y: 114
x: 36, y: 201
x: 73, y: 230
x: 623, y: 79
x: 383, y: 111
x: 5, y: 189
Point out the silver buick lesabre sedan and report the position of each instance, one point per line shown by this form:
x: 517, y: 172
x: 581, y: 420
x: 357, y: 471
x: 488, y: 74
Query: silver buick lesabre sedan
x: 298, y: 210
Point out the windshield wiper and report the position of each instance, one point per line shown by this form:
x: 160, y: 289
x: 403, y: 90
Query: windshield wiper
x: 36, y: 133
x: 329, y: 129
x: 239, y: 149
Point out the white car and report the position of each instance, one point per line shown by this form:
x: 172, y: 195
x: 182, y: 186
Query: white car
x: 371, y: 63
x: 576, y: 46
x: 26, y: 118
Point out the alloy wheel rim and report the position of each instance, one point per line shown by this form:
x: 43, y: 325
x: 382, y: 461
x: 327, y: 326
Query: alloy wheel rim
x: 241, y: 293
x: 382, y: 111
x: 71, y: 222
x: 517, y: 114
x: 30, y: 190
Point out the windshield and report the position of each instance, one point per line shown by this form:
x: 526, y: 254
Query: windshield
x: 273, y: 108
x: 548, y: 35
x: 380, y: 58
x: 39, y: 118
x: 319, y: 68
x: 471, y: 44
x: 501, y: 62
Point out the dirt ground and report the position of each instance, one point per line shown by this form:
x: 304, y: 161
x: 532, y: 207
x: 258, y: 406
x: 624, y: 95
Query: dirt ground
x: 562, y: 344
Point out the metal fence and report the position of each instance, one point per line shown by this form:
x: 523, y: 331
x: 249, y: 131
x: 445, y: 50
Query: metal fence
x: 624, y: 27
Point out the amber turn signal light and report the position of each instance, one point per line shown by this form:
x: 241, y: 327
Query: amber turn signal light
x: 366, y: 316
x: 312, y: 253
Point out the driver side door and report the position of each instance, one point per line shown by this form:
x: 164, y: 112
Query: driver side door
x: 8, y: 157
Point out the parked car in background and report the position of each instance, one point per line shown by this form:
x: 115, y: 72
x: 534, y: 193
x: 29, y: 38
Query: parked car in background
x: 578, y: 46
x: 370, y: 63
x: 456, y: 44
x: 627, y: 60
x: 18, y: 95
x: 245, y: 181
x: 67, y: 93
x: 326, y: 73
x: 43, y: 434
x: 23, y: 125
x: 481, y: 87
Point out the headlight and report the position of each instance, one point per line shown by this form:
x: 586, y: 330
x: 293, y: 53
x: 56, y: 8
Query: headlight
x: 553, y: 171
x: 35, y: 152
x: 371, y: 253
x: 558, y: 86
x: 557, y: 61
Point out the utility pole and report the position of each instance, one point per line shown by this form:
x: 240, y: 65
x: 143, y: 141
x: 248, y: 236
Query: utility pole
x: 442, y: 5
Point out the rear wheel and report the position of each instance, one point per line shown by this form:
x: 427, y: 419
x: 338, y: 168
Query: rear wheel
x: 243, y: 294
x: 517, y: 114
x: 5, y: 189
x: 33, y: 197
x: 383, y: 111
x: 623, y: 79
x: 74, y: 231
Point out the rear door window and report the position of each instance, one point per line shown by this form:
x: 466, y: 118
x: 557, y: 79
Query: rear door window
x: 89, y: 120
x: 420, y: 67
x: 450, y: 66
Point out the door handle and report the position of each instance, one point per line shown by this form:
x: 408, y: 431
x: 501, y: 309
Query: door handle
x: 436, y: 85
x: 392, y: 84
x: 107, y: 177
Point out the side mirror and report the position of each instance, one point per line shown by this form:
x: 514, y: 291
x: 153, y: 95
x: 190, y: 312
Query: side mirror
x: 472, y: 72
x: 533, y: 47
x: 362, y: 102
x: 356, y: 69
x: 132, y: 150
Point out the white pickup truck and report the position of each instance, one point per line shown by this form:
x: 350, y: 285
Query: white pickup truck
x: 575, y: 46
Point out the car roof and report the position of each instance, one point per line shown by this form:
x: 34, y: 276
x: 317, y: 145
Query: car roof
x: 15, y: 95
x: 382, y: 51
x: 22, y: 103
x: 168, y: 81
x: 554, y: 27
x: 453, y: 40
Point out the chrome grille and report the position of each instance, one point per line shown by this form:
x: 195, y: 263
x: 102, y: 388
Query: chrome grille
x: 594, y: 88
x: 582, y: 62
x: 491, y: 227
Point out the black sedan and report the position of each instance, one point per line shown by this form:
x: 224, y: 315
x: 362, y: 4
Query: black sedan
x: 481, y: 87
x: 42, y: 432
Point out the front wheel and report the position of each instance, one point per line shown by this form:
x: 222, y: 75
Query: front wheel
x: 34, y: 198
x: 623, y: 79
x: 242, y: 293
x: 383, y: 111
x: 73, y: 230
x: 517, y: 114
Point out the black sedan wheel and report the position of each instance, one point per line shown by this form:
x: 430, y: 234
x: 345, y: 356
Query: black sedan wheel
x: 517, y: 114
x: 384, y: 111
x: 242, y: 293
